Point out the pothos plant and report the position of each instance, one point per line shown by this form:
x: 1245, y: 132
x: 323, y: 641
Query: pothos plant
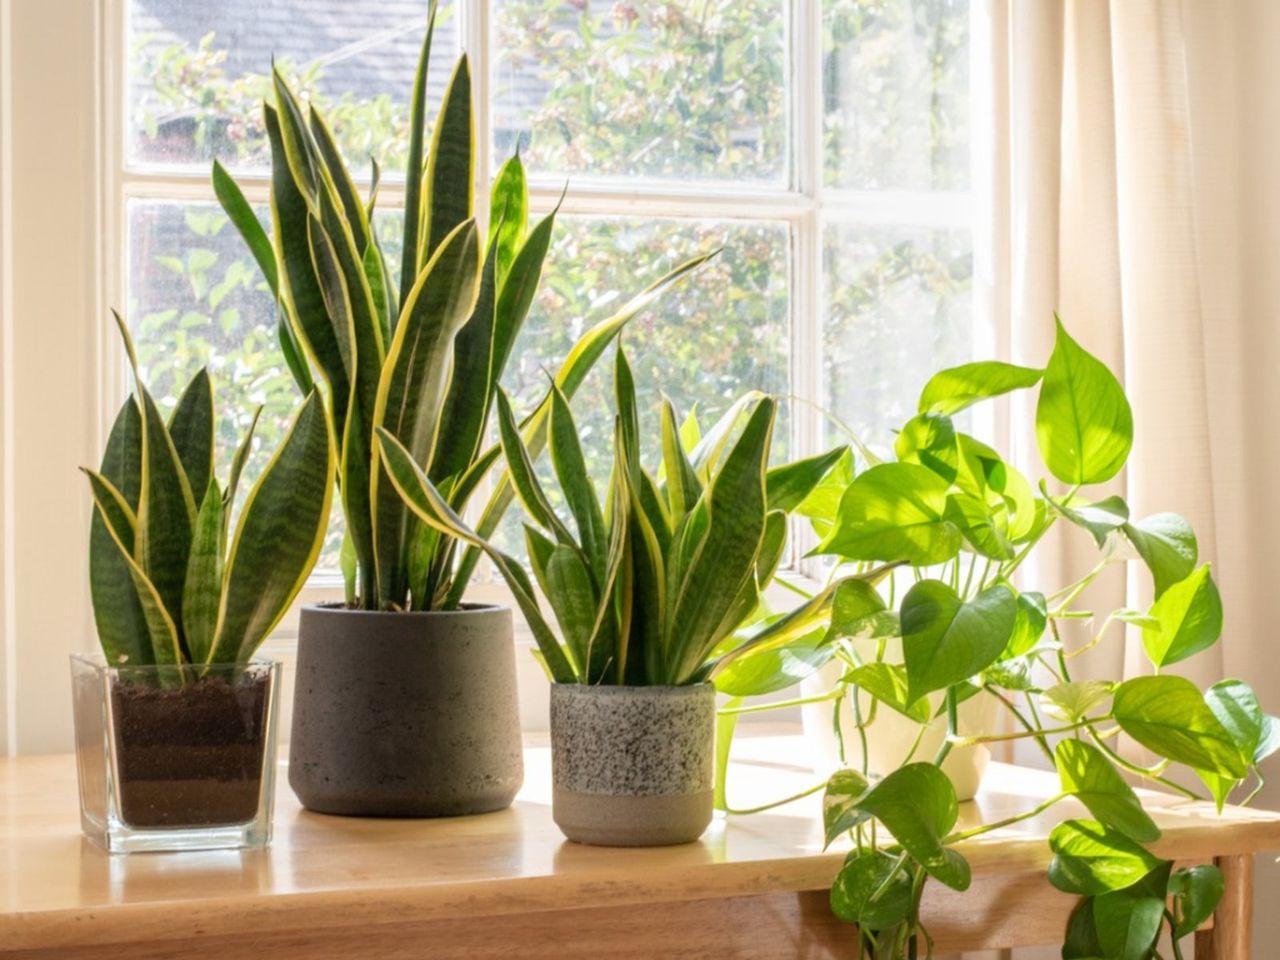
x: 421, y: 362
x: 963, y: 522
x: 652, y: 585
x: 166, y: 587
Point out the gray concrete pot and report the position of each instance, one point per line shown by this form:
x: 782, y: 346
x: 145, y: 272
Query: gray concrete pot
x: 405, y: 714
x: 632, y: 766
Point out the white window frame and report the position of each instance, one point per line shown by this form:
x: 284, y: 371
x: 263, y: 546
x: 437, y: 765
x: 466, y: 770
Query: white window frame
x: 89, y: 218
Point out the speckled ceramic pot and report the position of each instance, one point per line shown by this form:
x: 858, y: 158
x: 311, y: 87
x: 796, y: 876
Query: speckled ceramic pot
x: 632, y: 766
x: 405, y: 714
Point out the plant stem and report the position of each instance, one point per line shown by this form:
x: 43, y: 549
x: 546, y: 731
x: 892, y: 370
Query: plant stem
x: 953, y: 722
x: 1025, y: 734
x: 780, y: 704
x: 1007, y: 822
x: 777, y: 803
x: 1141, y: 771
x: 1039, y: 738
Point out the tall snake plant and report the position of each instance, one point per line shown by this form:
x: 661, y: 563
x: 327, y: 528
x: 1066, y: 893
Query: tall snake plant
x: 659, y: 584
x: 166, y: 589
x: 422, y: 362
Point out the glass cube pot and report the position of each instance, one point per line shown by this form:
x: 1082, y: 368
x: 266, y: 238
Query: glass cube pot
x: 175, y: 757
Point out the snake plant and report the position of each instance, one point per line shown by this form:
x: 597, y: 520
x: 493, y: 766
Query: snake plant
x: 423, y: 361
x: 166, y: 588
x: 656, y: 584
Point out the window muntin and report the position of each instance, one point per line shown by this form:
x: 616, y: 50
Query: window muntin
x: 838, y: 187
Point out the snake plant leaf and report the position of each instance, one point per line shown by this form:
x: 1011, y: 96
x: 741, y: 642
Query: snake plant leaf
x: 380, y: 289
x: 787, y: 486
x: 772, y: 546
x: 166, y: 510
x: 450, y: 177
x: 946, y: 639
x: 353, y: 209
x: 334, y: 290
x: 726, y: 554
x: 278, y: 537
x: 294, y: 357
x: 520, y: 468
x: 412, y: 388
x: 238, y: 460
x: 1169, y: 715
x: 572, y: 597
x: 1084, y: 424
x: 300, y: 150
x: 648, y: 633
x: 509, y: 214
x: 573, y: 370
x: 579, y: 490
x: 425, y: 501
x: 242, y: 217
x: 202, y: 590
x: 1089, y: 776
x: 162, y: 632
x: 1167, y: 544
x: 711, y: 447
x: 957, y: 388
x: 122, y: 627
x: 299, y: 287
x: 415, y: 163
x: 683, y: 485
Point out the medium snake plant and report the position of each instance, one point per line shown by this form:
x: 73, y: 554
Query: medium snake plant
x: 658, y: 585
x: 422, y: 362
x: 166, y: 589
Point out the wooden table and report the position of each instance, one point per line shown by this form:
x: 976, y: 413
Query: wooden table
x: 507, y: 885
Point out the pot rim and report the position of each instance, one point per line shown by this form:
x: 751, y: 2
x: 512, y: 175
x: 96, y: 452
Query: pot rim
x: 619, y: 689
x: 339, y: 608
x: 97, y: 660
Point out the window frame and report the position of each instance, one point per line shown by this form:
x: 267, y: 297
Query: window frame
x: 804, y: 203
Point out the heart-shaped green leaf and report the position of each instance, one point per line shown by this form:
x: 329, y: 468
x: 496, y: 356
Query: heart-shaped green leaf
x: 1101, y: 519
x: 853, y: 894
x: 1091, y: 858
x: 917, y: 804
x: 887, y: 682
x: 770, y: 670
x: 1168, y: 545
x: 1089, y: 776
x: 1084, y: 425
x: 1189, y: 616
x: 894, y: 511
x: 1196, y: 892
x: 1169, y: 715
x: 952, y: 390
x: 1028, y: 625
x: 946, y: 640
x: 1128, y: 921
x: 1072, y: 702
x: 840, y: 811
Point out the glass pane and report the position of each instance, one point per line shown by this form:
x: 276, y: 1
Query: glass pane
x: 898, y: 308
x: 686, y: 89
x: 198, y: 71
x: 196, y: 298
x: 720, y: 333
x: 896, y: 92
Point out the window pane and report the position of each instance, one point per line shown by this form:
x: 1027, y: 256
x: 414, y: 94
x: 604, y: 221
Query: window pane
x: 198, y: 71
x: 898, y: 308
x: 896, y: 91
x: 720, y: 333
x: 686, y: 89
x: 196, y: 298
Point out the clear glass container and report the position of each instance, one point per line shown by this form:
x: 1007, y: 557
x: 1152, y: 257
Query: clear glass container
x: 175, y: 757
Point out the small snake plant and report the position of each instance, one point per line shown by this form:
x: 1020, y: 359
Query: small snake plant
x: 166, y: 588
x: 662, y: 583
x: 422, y: 362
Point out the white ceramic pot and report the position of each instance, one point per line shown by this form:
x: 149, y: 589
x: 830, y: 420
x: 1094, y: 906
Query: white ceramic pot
x: 890, y: 737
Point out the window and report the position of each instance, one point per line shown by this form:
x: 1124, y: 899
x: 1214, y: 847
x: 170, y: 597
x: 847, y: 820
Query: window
x: 824, y: 144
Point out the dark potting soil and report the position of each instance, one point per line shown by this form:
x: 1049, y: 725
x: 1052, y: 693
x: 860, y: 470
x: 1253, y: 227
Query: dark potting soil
x: 190, y: 756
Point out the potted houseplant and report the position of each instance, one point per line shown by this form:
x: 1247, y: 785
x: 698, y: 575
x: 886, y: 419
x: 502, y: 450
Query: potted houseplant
x: 954, y: 510
x: 175, y: 722
x: 406, y: 698
x: 649, y: 594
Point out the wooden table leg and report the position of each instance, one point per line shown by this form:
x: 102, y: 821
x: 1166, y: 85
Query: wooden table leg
x: 1231, y: 937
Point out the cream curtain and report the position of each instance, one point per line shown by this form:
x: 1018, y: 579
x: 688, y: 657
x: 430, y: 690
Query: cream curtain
x: 1133, y: 159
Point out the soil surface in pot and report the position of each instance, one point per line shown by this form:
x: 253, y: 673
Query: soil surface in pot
x: 190, y: 756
